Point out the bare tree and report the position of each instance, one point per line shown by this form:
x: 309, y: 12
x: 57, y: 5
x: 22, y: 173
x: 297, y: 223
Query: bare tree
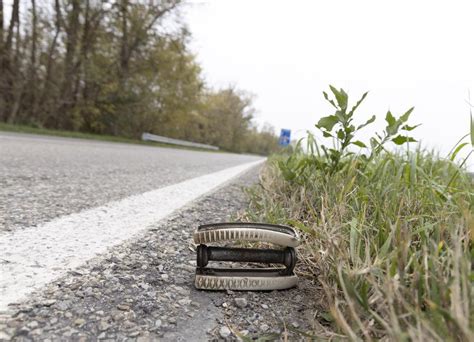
x: 72, y: 37
x: 10, y: 69
x: 130, y: 44
x: 1, y: 22
x: 48, y: 104
x: 32, y: 70
x: 124, y: 48
x: 2, y: 78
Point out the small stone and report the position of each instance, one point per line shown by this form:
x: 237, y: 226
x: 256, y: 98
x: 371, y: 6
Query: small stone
x: 164, y: 277
x: 23, y: 331
x: 128, y: 325
x: 144, y: 286
x: 88, y: 291
x: 63, y: 305
x: 182, y: 291
x: 32, y: 325
x: 240, y: 302
x: 224, y: 332
x: 133, y: 333
x: 49, y: 302
x: 19, y: 315
x: 225, y: 305
x: 80, y: 322
x: 295, y: 325
x: 264, y: 306
x: 244, y: 332
x: 68, y: 315
x: 13, y: 324
x: 158, y: 323
x: 24, y: 309
x: 75, y: 286
x: 123, y: 307
x: 103, y: 325
x: 99, y: 313
x: 184, y: 301
x: 102, y: 336
x: 37, y: 332
x: 172, y: 320
x: 264, y: 327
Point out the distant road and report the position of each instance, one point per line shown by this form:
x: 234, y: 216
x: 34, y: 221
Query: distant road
x: 42, y: 177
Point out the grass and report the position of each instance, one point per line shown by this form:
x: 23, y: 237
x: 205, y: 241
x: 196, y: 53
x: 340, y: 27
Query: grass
x: 389, y: 245
x: 89, y: 136
x: 387, y: 236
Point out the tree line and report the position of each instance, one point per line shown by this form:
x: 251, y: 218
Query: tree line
x: 118, y: 67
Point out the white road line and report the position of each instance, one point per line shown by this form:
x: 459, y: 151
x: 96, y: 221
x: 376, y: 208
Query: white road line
x: 33, y: 257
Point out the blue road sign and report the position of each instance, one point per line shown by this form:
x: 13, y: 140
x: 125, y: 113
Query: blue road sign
x: 285, y: 136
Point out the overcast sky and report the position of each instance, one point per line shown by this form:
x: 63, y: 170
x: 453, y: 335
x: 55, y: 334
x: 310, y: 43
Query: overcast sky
x: 406, y: 53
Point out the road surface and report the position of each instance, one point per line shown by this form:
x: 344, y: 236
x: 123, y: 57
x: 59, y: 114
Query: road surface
x: 45, y: 177
x: 95, y: 243
x: 142, y: 290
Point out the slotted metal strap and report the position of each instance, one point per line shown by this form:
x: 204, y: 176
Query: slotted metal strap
x: 245, y: 280
x: 279, y: 235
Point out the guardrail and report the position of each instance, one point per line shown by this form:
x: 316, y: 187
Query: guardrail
x: 178, y: 142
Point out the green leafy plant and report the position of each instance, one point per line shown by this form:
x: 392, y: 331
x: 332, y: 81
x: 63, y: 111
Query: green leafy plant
x: 342, y: 129
x: 340, y: 126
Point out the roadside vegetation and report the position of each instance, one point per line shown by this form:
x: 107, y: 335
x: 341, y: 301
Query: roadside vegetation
x: 116, y: 68
x: 387, y: 232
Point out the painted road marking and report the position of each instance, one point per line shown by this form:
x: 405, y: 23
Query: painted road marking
x: 33, y: 257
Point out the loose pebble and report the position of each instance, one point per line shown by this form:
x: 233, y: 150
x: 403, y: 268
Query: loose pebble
x: 224, y: 332
x: 240, y: 302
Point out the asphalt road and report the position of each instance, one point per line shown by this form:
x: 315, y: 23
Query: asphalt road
x: 124, y: 268
x: 142, y: 289
x: 42, y: 178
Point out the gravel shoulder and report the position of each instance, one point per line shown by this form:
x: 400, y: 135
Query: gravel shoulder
x: 143, y: 290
